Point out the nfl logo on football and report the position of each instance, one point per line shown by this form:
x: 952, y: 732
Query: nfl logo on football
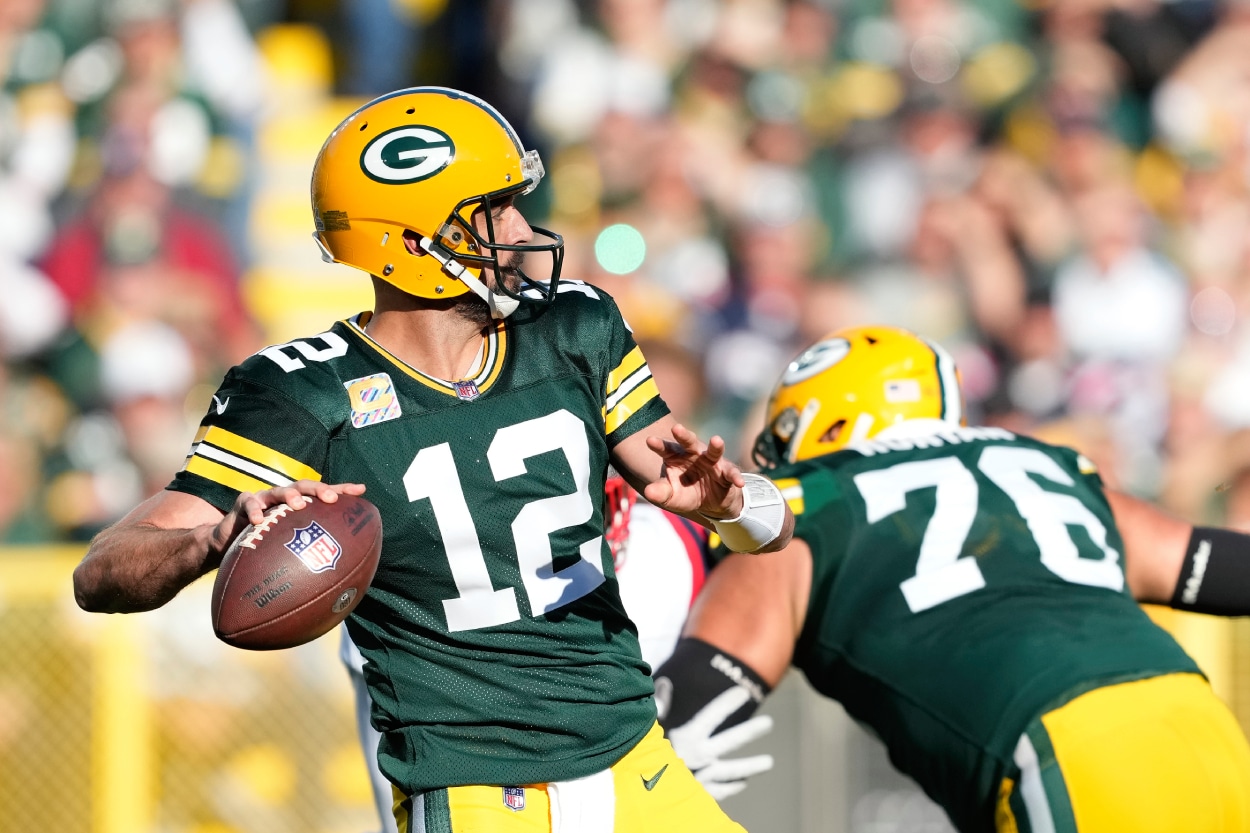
x: 315, y: 547
x: 514, y: 798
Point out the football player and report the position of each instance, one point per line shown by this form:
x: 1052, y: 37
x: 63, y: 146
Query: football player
x: 970, y: 595
x: 480, y: 408
x: 660, y: 560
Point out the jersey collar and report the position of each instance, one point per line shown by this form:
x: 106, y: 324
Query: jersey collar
x: 490, y: 358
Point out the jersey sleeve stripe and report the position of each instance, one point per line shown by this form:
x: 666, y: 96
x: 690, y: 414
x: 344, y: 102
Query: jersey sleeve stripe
x: 268, y: 476
x: 631, y: 404
x: 635, y: 379
x: 259, y: 454
x: 792, y: 490
x: 632, y: 361
x: 224, y: 475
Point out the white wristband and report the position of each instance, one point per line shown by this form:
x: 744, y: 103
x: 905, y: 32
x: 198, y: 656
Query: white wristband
x: 759, y: 523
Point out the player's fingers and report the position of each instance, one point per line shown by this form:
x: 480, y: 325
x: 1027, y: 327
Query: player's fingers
x: 718, y: 709
x: 329, y: 492
x: 658, y: 492
x: 721, y: 791
x: 732, y: 472
x: 253, y: 513
x: 715, y: 449
x: 737, y: 769
x: 292, y: 495
x: 251, y: 506
x: 688, y: 440
x: 298, y: 493
x: 742, y: 734
x: 665, y: 448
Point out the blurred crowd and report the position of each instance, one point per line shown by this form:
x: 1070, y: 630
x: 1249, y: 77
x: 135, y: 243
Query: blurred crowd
x: 1057, y: 191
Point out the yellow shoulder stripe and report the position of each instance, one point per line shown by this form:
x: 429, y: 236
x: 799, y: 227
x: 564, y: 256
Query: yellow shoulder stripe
x: 632, y: 361
x: 792, y: 491
x: 631, y: 404
x: 257, y: 453
x: 225, y: 475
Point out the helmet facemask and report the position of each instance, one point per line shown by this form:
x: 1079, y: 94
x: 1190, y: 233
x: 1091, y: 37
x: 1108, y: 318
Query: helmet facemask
x: 492, y: 255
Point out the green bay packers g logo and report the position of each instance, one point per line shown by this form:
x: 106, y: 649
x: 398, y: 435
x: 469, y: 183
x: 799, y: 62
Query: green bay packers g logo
x: 407, y: 154
x: 816, y: 359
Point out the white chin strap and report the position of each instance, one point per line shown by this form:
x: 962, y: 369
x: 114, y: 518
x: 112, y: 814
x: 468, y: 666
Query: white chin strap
x: 501, y: 306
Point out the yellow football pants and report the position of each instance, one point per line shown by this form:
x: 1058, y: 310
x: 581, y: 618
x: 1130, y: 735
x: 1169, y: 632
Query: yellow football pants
x: 648, y: 791
x: 1160, y: 755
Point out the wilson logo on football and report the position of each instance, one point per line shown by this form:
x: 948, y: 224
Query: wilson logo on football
x: 407, y: 154
x: 315, y: 547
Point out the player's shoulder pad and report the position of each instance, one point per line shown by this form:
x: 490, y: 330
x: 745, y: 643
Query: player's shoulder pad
x: 1071, y: 456
x: 578, y: 308
x: 811, y: 484
x: 581, y: 300
x: 570, y: 289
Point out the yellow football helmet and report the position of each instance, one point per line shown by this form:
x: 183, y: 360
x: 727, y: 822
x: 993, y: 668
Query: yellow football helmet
x: 851, y: 385
x: 422, y: 161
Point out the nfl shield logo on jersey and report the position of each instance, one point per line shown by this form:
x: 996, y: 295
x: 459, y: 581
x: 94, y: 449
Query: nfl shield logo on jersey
x: 467, y: 390
x: 514, y: 798
x: 315, y: 547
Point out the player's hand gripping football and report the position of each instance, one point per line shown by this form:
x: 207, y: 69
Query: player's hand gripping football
x: 695, y: 477
x: 249, y: 507
x: 704, y: 751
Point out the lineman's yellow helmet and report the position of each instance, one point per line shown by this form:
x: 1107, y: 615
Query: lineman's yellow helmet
x: 422, y: 161
x: 851, y: 385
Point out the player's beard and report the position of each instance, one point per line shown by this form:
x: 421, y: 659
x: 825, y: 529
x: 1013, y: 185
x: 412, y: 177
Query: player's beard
x: 472, y: 308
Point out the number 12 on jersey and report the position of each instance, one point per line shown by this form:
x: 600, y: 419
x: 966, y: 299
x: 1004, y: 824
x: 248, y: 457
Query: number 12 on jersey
x: 942, y: 571
x: 432, y: 475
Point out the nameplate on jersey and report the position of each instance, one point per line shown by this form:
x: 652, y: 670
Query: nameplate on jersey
x: 373, y: 400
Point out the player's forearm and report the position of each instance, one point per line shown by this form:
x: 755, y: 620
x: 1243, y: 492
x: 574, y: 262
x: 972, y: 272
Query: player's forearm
x: 755, y: 608
x: 1154, y: 547
x: 1215, y: 574
x: 136, y: 567
x: 1168, y: 561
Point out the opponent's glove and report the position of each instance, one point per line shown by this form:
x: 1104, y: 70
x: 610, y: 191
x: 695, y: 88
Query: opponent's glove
x: 705, y: 698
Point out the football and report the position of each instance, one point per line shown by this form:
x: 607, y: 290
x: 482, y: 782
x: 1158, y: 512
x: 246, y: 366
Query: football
x: 297, y: 574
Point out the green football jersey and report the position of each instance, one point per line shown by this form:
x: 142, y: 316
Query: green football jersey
x: 497, y: 648
x: 964, y: 583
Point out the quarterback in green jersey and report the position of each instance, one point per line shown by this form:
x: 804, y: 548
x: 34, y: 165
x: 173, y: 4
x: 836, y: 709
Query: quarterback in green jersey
x: 970, y: 596
x: 479, y: 409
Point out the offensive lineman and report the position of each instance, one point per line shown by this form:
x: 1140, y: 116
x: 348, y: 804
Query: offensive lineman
x: 480, y: 409
x: 968, y: 595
